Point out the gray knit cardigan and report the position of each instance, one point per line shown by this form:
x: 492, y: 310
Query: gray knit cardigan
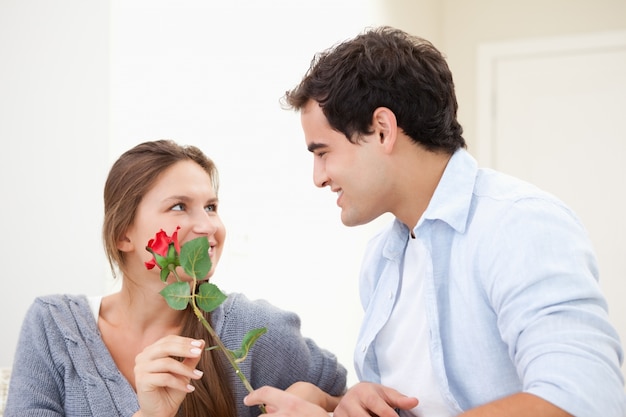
x: 63, y: 368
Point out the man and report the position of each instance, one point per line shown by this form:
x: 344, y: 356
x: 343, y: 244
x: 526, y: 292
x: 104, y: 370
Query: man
x: 481, y: 298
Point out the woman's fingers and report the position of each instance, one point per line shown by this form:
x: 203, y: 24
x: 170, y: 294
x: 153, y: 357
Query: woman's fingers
x: 281, y: 403
x: 179, y: 346
x: 163, y: 374
x: 158, y: 366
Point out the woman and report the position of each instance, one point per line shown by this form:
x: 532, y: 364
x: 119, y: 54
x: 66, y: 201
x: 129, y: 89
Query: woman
x: 129, y: 354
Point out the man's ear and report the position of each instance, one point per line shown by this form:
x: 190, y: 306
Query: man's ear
x: 385, y: 127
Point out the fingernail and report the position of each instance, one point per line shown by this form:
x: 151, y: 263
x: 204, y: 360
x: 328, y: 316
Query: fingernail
x: 196, y: 351
x: 197, y: 343
x: 198, y: 372
x: 191, y: 387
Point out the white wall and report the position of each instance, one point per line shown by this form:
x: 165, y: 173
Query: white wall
x: 54, y: 132
x: 468, y: 24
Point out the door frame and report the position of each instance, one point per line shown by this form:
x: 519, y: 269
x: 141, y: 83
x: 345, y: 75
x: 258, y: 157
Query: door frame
x: 489, y: 55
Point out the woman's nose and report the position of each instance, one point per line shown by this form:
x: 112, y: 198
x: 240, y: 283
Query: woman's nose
x: 207, y: 223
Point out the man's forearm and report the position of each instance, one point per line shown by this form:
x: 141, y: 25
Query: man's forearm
x: 517, y: 405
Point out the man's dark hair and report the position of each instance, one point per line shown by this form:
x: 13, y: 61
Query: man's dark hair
x: 384, y: 67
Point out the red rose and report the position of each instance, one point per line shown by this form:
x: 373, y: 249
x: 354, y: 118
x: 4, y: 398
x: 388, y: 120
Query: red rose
x: 160, y: 245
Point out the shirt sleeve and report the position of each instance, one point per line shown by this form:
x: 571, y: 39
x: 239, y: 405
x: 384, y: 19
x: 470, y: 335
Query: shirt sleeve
x: 543, y: 283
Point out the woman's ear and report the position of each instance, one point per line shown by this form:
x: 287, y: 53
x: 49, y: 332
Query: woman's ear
x: 124, y: 244
x: 385, y: 127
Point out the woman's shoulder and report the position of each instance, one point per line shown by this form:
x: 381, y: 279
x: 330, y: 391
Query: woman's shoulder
x: 238, y: 310
x: 65, y: 311
x: 240, y: 305
x: 61, y: 301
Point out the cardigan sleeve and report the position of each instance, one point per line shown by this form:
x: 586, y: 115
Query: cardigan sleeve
x: 36, y: 385
x: 62, y: 366
x: 282, y: 355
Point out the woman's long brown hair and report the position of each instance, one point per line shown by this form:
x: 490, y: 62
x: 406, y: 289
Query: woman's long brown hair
x: 130, y: 178
x: 213, y: 395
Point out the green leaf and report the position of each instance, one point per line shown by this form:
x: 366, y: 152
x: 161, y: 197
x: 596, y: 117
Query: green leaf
x: 194, y: 257
x: 177, y: 295
x: 246, y: 344
x: 209, y: 297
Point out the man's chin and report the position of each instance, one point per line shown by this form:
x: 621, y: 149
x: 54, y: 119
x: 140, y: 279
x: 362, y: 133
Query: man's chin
x: 350, y: 221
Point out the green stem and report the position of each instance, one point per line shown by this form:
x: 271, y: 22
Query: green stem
x: 220, y: 344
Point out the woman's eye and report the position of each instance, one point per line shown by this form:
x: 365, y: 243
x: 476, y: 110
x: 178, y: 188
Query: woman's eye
x: 211, y: 208
x: 178, y: 207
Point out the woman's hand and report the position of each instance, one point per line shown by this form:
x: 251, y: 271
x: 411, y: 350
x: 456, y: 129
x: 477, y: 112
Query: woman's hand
x: 365, y: 399
x: 279, y: 403
x: 162, y: 381
x: 313, y: 394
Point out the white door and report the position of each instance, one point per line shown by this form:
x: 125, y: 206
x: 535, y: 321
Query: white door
x: 553, y: 112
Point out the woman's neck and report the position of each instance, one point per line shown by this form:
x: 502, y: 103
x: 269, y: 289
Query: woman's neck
x: 140, y: 309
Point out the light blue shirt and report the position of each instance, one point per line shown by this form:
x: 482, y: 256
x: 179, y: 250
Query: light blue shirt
x: 513, y: 301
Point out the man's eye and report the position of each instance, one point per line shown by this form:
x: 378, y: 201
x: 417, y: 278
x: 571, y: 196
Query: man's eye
x: 211, y: 208
x: 178, y: 207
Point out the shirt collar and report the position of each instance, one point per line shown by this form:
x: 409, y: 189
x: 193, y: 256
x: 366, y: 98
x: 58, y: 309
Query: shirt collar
x: 453, y: 195
x: 450, y: 202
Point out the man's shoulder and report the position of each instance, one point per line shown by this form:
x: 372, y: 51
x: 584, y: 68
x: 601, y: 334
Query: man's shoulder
x: 500, y: 186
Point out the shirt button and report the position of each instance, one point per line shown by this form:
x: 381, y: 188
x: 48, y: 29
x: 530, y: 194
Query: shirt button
x: 364, y: 348
x: 390, y: 295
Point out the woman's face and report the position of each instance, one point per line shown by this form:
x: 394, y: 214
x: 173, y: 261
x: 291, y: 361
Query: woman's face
x: 182, y: 195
